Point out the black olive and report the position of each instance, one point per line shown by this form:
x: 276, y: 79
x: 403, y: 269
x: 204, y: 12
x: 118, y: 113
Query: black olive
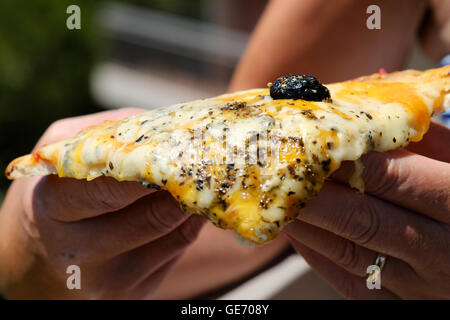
x: 303, y: 87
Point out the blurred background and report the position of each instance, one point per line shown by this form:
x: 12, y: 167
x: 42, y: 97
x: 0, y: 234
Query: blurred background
x: 140, y: 53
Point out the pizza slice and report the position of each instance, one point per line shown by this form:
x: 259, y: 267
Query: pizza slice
x: 250, y: 160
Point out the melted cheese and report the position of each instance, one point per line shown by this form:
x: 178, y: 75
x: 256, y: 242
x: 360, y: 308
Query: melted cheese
x: 243, y: 160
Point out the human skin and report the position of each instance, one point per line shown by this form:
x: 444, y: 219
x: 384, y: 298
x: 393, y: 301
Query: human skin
x: 405, y: 212
x: 435, y: 35
x: 327, y: 39
x: 124, y: 237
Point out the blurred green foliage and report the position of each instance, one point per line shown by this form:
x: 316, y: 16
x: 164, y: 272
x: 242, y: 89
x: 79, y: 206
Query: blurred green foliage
x: 44, y: 70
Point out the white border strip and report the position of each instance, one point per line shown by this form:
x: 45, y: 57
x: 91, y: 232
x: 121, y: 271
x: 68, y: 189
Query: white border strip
x: 270, y: 282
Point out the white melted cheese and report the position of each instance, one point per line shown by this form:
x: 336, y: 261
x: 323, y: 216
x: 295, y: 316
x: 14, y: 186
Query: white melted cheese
x: 213, y: 154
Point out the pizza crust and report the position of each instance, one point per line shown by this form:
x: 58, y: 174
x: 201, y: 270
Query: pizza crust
x: 27, y: 166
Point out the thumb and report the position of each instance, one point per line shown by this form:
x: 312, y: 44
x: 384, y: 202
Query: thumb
x: 67, y: 199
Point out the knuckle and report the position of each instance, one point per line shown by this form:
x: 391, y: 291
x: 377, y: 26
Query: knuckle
x: 187, y: 232
x: 383, y: 174
x: 161, y: 215
x: 361, y: 221
x: 415, y: 239
x: 346, y: 254
x: 156, y: 220
x: 103, y: 194
x: 43, y: 205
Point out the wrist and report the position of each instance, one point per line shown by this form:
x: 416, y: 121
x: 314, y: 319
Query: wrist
x: 15, y: 254
x: 24, y: 271
x: 18, y: 254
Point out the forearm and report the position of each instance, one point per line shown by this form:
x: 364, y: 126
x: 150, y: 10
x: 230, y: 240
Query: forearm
x: 435, y: 35
x: 328, y: 39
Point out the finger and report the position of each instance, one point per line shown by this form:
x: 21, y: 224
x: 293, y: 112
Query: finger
x: 67, y: 199
x: 147, y: 288
x: 347, y: 284
x: 435, y: 143
x: 152, y: 261
x: 397, y: 276
x: 106, y: 236
x: 409, y: 180
x: 70, y: 199
x: 377, y: 225
x: 69, y: 127
x: 157, y: 253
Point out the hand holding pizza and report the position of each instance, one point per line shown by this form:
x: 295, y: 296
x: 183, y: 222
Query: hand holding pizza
x: 404, y: 214
x: 123, y: 236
